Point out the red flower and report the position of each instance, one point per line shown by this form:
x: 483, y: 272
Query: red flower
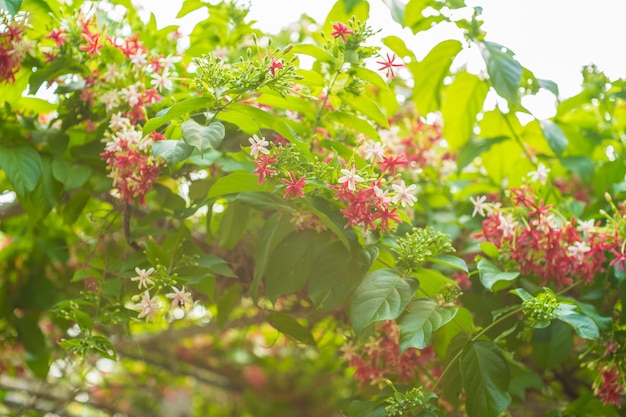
x: 339, y: 29
x: 295, y: 188
x: 263, y: 169
x: 387, y: 65
x: 92, y: 45
x: 274, y: 66
x: 57, y: 36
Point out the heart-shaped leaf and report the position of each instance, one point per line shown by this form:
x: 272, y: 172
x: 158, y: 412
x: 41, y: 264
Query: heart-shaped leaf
x: 421, y: 320
x: 203, y: 137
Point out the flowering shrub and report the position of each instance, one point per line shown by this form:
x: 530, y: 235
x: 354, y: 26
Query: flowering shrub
x: 309, y: 222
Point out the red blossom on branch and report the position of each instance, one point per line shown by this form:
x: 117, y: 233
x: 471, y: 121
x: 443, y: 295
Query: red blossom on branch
x: 340, y: 30
x: 274, y: 66
x: 388, y: 65
x: 295, y: 187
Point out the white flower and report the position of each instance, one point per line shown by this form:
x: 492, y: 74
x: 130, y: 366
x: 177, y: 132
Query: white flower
x: 148, y: 307
x: 110, y: 100
x: 119, y: 123
x: 143, y: 277
x: 374, y: 150
x: 131, y: 94
x: 540, y: 175
x: 162, y: 80
x: 578, y: 250
x: 404, y: 193
x: 382, y: 196
x: 179, y: 297
x: 139, y: 58
x: 112, y: 73
x: 507, y: 225
x: 479, y: 205
x: 350, y: 177
x: 258, y: 145
x: 169, y: 61
x: 585, y: 226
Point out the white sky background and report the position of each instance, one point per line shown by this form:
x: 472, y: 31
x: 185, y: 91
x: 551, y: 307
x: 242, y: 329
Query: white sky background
x: 552, y: 38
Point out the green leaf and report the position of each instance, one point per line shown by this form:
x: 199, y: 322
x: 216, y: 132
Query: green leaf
x: 179, y: 109
x: 552, y: 345
x: 227, y: 302
x: 275, y: 229
x: 72, y: 176
x: 504, y: 71
x: 485, y: 379
x: 215, y: 265
x: 490, y: 250
x: 490, y: 274
x: 584, y: 326
x: 371, y: 77
x: 289, y: 266
x: 172, y: 151
x: 203, y: 137
x: 429, y: 75
x: 335, y: 274
x: 233, y: 224
x: 82, y: 274
x: 290, y: 327
x: 421, y: 320
x: 383, y: 295
x: 397, y: 10
x: 449, y: 260
x: 554, y: 135
x: 315, y: 51
x: 582, y: 166
x: 367, y: 107
x: 23, y: 167
x: 398, y: 46
x: 354, y: 122
x: 11, y: 6
x: 475, y: 148
x: 189, y: 6
x: 462, y: 101
x: 238, y: 182
x: 84, y: 320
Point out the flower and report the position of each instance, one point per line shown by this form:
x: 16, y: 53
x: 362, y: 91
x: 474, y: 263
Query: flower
x: 585, y: 226
x: 263, y: 169
x: 404, y: 193
x: 161, y: 80
x: 57, y: 36
x: 258, y: 145
x: 350, y: 177
x: 274, y: 66
x: 540, y: 175
x: 507, y: 225
x: 143, y: 277
x: 179, y: 297
x: 388, y: 64
x: 295, y: 188
x: 374, y: 151
x: 92, y: 47
x: 479, y: 205
x: 340, y: 30
x: 578, y: 251
x: 148, y: 307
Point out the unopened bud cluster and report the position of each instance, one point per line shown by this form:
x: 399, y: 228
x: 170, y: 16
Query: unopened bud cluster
x: 540, y: 310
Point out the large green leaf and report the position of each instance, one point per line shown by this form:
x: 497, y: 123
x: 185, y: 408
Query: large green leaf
x: 552, y: 345
x: 475, y: 148
x: 11, y: 6
x: 504, y: 71
x: 172, y: 151
x: 383, y: 295
x: 290, y: 263
x: 421, y: 320
x: 429, y: 75
x: 335, y: 274
x: 584, y: 326
x: 179, y: 109
x: 354, y: 122
x: 554, y: 135
x: 23, y: 167
x: 490, y: 275
x: 289, y: 326
x: 367, y: 107
x: 203, y: 137
x: 462, y: 101
x: 485, y: 379
x: 72, y: 176
x: 237, y: 182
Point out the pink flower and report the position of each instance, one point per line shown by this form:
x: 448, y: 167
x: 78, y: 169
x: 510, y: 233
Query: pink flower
x: 263, y: 169
x: 57, y: 36
x: 148, y: 307
x: 388, y: 64
x: 274, y: 66
x: 92, y: 47
x: 143, y: 277
x: 179, y: 297
x: 340, y: 30
x: 295, y: 188
x: 350, y: 177
x: 404, y: 193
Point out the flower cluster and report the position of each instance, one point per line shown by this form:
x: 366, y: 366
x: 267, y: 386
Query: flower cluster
x: 543, y: 244
x: 133, y: 168
x: 148, y: 306
x: 611, y: 387
x: 379, y: 359
x: 13, y: 45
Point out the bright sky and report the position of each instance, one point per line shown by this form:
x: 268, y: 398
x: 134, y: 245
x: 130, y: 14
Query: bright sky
x: 553, y: 38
